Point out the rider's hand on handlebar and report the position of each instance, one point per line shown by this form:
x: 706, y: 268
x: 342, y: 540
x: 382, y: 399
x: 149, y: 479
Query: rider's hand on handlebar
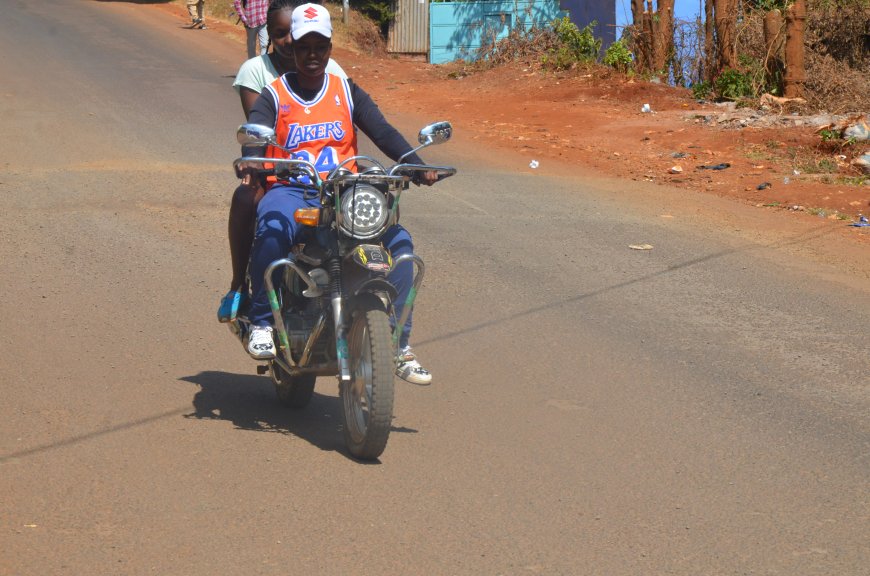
x: 428, y: 178
x: 249, y: 175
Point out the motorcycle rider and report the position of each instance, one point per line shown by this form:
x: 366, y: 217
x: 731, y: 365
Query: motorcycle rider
x: 316, y: 114
x: 253, y: 76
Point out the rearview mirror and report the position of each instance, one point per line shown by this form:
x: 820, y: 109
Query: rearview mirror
x: 255, y: 135
x: 436, y: 133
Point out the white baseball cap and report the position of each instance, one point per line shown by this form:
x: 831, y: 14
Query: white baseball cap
x: 310, y: 18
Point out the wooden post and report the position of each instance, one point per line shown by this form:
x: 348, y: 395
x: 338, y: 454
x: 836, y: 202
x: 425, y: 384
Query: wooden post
x: 795, y: 72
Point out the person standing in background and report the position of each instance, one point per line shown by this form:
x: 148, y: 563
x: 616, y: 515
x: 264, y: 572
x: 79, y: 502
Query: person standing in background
x: 253, y: 14
x: 195, y: 9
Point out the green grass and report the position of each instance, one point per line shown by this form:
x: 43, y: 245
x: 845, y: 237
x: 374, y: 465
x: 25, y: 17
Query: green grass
x: 823, y: 213
x: 817, y: 166
x: 755, y: 156
x: 862, y: 180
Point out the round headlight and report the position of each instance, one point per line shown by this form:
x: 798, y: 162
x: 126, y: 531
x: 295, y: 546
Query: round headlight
x: 364, y: 211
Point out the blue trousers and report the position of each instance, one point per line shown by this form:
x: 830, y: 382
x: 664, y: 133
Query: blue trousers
x: 277, y: 231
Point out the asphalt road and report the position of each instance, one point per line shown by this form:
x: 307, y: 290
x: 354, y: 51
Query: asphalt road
x: 699, y: 408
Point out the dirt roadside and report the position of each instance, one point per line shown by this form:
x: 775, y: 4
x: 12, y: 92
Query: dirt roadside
x: 571, y: 120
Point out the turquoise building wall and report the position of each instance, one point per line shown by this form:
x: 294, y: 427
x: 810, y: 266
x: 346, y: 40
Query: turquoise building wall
x: 457, y: 29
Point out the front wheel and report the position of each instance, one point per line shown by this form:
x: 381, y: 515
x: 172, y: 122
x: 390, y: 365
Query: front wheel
x: 367, y: 399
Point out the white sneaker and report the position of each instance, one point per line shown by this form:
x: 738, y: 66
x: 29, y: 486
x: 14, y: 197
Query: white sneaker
x: 261, y: 346
x: 409, y: 369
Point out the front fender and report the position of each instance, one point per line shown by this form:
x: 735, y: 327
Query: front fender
x: 365, y: 269
x: 373, y: 286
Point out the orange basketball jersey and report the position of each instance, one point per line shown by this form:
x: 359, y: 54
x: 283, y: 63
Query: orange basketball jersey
x: 319, y: 131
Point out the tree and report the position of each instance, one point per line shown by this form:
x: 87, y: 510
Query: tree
x: 795, y: 71
x: 663, y: 34
x: 640, y: 40
x: 653, y: 34
x: 725, y: 18
x: 709, y: 42
x: 773, y: 49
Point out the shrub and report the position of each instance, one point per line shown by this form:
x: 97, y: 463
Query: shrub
x: 379, y: 11
x: 582, y: 43
x: 618, y: 56
x: 837, y: 56
x: 702, y: 90
x: 519, y: 45
x: 573, y: 45
x: 733, y: 85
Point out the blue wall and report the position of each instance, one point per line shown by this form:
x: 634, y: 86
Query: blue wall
x: 584, y: 12
x: 457, y: 29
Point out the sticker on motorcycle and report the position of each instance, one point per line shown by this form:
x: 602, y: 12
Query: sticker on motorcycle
x: 372, y: 257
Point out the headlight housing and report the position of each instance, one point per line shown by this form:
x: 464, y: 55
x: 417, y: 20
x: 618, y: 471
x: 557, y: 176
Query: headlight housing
x: 364, y: 211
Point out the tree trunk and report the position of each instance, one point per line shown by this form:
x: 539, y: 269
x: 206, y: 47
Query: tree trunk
x: 653, y: 34
x: 726, y: 33
x: 709, y: 41
x: 650, y: 28
x: 664, y: 38
x: 795, y: 72
x: 641, y: 56
x: 773, y: 43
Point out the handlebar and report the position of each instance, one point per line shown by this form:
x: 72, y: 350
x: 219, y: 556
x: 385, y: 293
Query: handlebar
x: 291, y: 168
x: 282, y: 168
x: 413, y: 170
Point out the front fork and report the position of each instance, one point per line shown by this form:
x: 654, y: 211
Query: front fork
x: 338, y: 316
x: 340, y: 319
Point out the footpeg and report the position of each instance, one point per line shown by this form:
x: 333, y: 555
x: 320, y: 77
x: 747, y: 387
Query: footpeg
x: 262, y: 369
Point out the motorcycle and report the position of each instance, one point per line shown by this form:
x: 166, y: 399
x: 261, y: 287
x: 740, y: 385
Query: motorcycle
x: 333, y: 304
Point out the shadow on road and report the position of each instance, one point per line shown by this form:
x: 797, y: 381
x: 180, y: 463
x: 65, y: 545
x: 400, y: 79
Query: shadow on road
x: 249, y: 402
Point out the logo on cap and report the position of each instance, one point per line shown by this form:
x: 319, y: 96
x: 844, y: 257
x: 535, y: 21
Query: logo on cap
x: 310, y: 12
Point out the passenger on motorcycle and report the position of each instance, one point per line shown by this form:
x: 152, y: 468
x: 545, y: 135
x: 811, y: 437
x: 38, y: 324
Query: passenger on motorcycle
x: 253, y: 76
x: 315, y: 114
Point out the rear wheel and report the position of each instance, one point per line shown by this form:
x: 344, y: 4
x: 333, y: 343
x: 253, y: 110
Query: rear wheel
x: 367, y: 400
x: 293, y: 391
